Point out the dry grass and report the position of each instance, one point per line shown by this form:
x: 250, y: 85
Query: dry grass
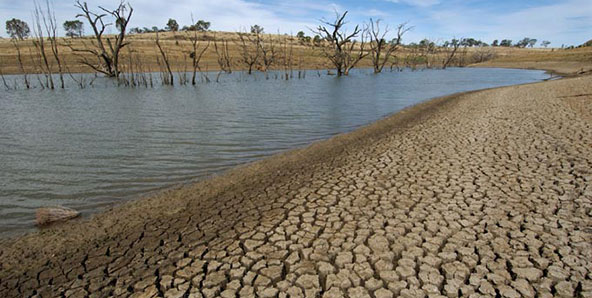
x: 144, y: 53
x: 143, y: 48
x: 564, y: 62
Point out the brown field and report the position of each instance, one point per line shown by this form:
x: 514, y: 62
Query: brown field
x: 143, y: 55
x: 143, y: 47
x: 564, y: 62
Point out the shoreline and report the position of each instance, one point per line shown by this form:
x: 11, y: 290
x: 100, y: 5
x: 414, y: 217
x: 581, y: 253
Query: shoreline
x: 86, y: 212
x: 129, y: 218
x: 179, y: 186
x: 568, y: 71
x: 269, y: 161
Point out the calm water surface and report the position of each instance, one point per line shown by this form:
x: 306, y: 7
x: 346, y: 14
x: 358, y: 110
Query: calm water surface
x: 90, y: 148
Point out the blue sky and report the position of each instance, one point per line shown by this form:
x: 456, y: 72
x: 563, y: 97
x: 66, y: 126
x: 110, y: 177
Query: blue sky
x: 560, y: 21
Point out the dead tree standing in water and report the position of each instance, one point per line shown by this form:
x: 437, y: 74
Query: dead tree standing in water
x: 287, y: 56
x: 3, y: 78
x: 51, y: 27
x: 381, y: 50
x: 39, y: 43
x: 19, y: 59
x: 47, y: 19
x: 165, y: 59
x: 196, y: 53
x: 223, y: 54
x: 105, y: 50
x: 268, y: 53
x: 342, y: 51
x: 451, y: 48
x: 249, y: 45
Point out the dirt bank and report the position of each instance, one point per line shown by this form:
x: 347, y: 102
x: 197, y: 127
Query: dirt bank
x: 485, y: 192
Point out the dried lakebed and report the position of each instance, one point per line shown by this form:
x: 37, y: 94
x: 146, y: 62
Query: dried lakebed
x: 88, y: 149
x: 481, y: 194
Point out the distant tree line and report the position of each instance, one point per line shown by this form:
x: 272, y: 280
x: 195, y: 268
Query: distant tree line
x: 523, y: 43
x: 173, y: 26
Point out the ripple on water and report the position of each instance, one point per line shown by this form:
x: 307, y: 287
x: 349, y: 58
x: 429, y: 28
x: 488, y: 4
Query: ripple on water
x: 90, y: 148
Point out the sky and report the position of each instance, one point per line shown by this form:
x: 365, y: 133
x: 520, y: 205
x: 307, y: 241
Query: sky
x: 562, y: 22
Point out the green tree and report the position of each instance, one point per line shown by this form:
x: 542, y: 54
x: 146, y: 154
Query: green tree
x: 202, y: 25
x: 303, y: 38
x: 526, y: 42
x: 257, y: 29
x: 545, y: 43
x: 426, y: 43
x: 316, y: 40
x: 532, y: 42
x: 17, y: 29
x: 172, y: 25
x: 471, y: 42
x: 506, y: 43
x: 135, y: 30
x: 495, y: 43
x: 74, y: 28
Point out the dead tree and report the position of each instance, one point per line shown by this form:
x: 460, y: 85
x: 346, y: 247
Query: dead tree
x: 39, y: 43
x: 381, y: 50
x: 249, y: 45
x: 268, y: 53
x: 343, y: 50
x: 483, y: 54
x: 51, y: 28
x: 165, y: 58
x: 287, y: 55
x: 105, y: 49
x: 427, y: 50
x: 451, y: 50
x: 461, y: 55
x: 196, y: 53
x: 19, y: 59
x: 3, y: 78
x: 353, y: 54
x: 223, y: 54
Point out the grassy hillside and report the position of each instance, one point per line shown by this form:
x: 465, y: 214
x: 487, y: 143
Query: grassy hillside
x: 566, y: 62
x: 143, y: 55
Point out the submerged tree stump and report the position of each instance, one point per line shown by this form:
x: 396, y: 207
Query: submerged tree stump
x: 48, y: 215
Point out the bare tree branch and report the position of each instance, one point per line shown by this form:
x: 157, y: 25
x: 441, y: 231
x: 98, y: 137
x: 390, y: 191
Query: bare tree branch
x: 108, y: 51
x: 381, y: 50
x: 342, y: 50
x: 250, y: 49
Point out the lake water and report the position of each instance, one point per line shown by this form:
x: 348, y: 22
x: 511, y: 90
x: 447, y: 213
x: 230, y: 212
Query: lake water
x: 90, y: 148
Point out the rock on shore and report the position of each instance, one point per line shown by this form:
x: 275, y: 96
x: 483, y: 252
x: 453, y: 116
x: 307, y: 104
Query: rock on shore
x: 50, y: 215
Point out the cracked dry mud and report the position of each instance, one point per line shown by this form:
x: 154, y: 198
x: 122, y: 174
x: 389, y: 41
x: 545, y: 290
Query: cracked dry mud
x: 482, y: 194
